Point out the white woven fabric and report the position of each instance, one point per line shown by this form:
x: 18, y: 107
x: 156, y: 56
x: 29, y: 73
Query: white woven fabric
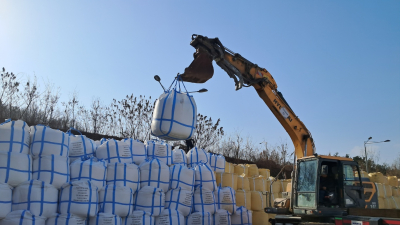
x: 138, y: 150
x: 159, y: 150
x: 105, y: 219
x: 181, y: 176
x: 52, y: 169
x: 217, y: 162
x: 116, y: 200
x: 139, y: 217
x: 47, y: 141
x: 200, y: 218
x: 154, y: 173
x: 242, y: 216
x: 170, y: 217
x: 179, y: 199
x: 65, y: 219
x: 15, y: 168
x: 14, y: 137
x: 80, y: 146
x: 203, y: 200
x: 205, y: 177
x: 5, y: 199
x: 150, y: 199
x: 179, y: 157
x: 225, y: 199
x: 22, y: 217
x: 222, y: 217
x: 123, y: 174
x: 195, y: 156
x: 114, y: 151
x: 91, y: 169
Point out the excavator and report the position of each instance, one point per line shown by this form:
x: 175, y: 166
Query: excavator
x: 325, y: 189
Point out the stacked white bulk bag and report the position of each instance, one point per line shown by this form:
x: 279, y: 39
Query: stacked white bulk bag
x: 179, y: 199
x: 195, y: 156
x: 138, y: 150
x: 203, y: 200
x: 105, y: 218
x: 139, y: 217
x: 36, y: 196
x: 79, y: 198
x: 5, y: 199
x: 170, y: 217
x: 47, y: 141
x: 80, y: 146
x: 183, y: 177
x: 242, y: 216
x: 15, y: 168
x: 65, y: 219
x: 154, y: 173
x: 14, y: 137
x: 222, y: 217
x: 217, y: 162
x: 205, y: 177
x: 225, y: 199
x: 200, y: 218
x: 114, y: 151
x: 179, y: 157
x: 123, y: 174
x: 22, y: 217
x: 90, y: 169
x: 52, y: 169
x: 149, y: 199
x: 116, y: 200
x: 160, y: 150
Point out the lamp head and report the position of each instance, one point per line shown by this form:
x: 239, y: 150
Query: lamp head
x: 157, y: 78
x: 202, y: 90
x: 387, y: 141
x: 369, y: 138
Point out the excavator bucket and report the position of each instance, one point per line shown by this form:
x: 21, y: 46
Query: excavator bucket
x: 200, y: 70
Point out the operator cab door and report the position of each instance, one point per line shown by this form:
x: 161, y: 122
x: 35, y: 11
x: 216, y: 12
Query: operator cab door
x: 353, y: 191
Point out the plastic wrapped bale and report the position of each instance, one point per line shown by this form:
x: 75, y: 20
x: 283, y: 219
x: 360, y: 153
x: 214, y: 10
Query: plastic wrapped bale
x: 79, y: 198
x: 159, y: 150
x: 154, y: 173
x: 80, y: 146
x: 258, y: 201
x: 14, y: 137
x: 175, y: 114
x: 22, y: 217
x: 139, y: 217
x: 179, y: 199
x: 15, y: 168
x: 114, y: 151
x: 260, y: 217
x: 241, y: 169
x: 195, y: 156
x: 138, y: 150
x: 217, y: 162
x: 227, y: 180
x: 243, y: 216
x: 205, y: 177
x: 36, y: 196
x: 105, y: 218
x: 264, y: 172
x: 47, y: 141
x: 225, y: 199
x: 259, y: 184
x: 170, y: 217
x: 243, y: 198
x: 5, y: 199
x: 229, y: 168
x: 253, y: 170
x: 243, y: 183
x: 149, y: 199
x: 123, y: 174
x: 222, y: 217
x: 203, y: 200
x: 116, y: 200
x: 388, y: 190
x: 65, y: 219
x: 376, y: 177
x: 90, y: 169
x: 52, y: 169
x: 200, y: 218
x: 181, y: 176
x: 179, y: 157
x: 393, y: 181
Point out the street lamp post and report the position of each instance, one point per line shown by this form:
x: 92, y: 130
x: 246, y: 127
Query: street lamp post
x: 365, y: 150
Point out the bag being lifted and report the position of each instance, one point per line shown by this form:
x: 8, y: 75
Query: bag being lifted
x: 175, y: 114
x: 14, y: 136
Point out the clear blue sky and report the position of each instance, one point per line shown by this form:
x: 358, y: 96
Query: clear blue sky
x: 336, y: 62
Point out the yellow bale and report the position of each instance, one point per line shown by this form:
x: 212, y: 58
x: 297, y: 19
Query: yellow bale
x: 227, y: 180
x: 243, y: 198
x: 258, y: 200
x: 261, y: 218
x: 395, y: 191
x: 385, y: 180
x: 289, y: 187
x: 264, y: 172
x: 253, y: 170
x: 393, y: 181
x: 388, y: 190
x: 258, y: 183
x: 229, y: 167
x: 241, y: 169
x: 381, y: 203
x: 276, y: 186
x: 243, y: 183
x: 388, y: 203
x: 275, y: 195
x: 395, y: 202
x: 380, y: 189
x: 377, y: 177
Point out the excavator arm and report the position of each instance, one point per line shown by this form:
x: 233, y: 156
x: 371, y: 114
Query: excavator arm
x: 246, y: 73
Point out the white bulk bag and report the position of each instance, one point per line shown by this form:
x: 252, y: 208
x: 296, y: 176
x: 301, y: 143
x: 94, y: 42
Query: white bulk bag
x: 159, y: 150
x: 200, y: 218
x: 222, y: 217
x: 225, y: 199
x: 179, y: 199
x: 65, y: 219
x: 195, y: 156
x: 242, y: 216
x: 138, y: 217
x: 80, y: 146
x: 154, y: 173
x: 22, y: 217
x: 47, y: 141
x: 52, y: 169
x: 217, y: 162
x: 116, y: 200
x: 179, y: 157
x: 175, y: 115
x: 105, y: 219
x: 91, y: 169
x: 149, y: 199
x: 181, y: 176
x: 170, y: 217
x: 123, y: 174
x: 36, y: 196
x: 14, y: 136
x: 203, y: 200
x: 114, y: 151
x: 5, y: 199
x: 205, y: 177
x: 15, y: 168
x: 79, y: 198
x: 138, y: 150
